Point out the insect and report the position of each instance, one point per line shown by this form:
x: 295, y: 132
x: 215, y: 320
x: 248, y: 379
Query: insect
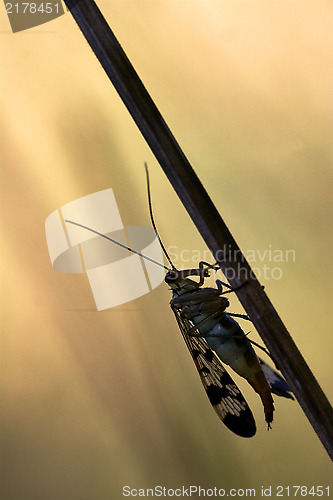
x: 213, y: 337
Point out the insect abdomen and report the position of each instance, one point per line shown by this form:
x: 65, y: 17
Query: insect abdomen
x: 261, y: 386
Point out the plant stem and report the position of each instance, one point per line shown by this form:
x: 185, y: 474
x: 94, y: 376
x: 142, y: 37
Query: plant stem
x: 205, y: 216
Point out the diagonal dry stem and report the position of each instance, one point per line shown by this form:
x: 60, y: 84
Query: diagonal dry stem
x: 205, y: 216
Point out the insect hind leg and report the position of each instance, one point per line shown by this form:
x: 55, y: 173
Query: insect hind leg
x: 242, y: 316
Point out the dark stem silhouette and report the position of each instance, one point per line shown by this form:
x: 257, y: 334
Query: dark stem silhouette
x: 205, y: 216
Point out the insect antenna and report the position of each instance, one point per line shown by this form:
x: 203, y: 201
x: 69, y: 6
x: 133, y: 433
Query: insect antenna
x: 117, y: 243
x: 152, y: 218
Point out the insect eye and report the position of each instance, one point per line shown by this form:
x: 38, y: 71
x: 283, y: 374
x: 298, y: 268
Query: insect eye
x: 171, y: 276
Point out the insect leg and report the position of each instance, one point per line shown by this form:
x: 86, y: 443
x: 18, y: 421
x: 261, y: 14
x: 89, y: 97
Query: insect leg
x: 220, y: 284
x: 242, y: 316
x: 191, y: 331
x: 214, y: 266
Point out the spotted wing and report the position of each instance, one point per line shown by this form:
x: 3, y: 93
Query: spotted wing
x: 223, y: 393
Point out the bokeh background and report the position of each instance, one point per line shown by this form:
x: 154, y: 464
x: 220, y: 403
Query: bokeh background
x: 95, y: 401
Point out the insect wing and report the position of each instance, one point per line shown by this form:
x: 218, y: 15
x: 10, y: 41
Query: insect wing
x: 278, y: 385
x: 223, y: 393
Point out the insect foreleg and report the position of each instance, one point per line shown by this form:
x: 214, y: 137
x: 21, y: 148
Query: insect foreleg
x: 214, y: 266
x: 204, y: 266
x: 220, y: 284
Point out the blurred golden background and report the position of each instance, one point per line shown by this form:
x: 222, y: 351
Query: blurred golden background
x: 95, y: 401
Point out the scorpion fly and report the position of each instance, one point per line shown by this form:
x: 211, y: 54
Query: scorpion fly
x: 213, y: 337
